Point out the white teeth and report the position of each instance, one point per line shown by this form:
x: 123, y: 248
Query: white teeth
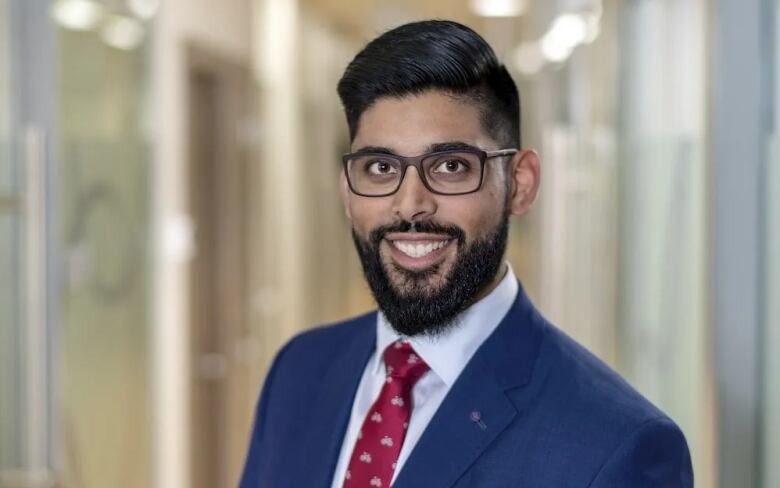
x: 418, y: 250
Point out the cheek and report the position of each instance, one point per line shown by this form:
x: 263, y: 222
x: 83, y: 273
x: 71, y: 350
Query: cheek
x: 477, y: 217
x: 367, y: 213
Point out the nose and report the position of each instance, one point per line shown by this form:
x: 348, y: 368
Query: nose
x: 413, y: 202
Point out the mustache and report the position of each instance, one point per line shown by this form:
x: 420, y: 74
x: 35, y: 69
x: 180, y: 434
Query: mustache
x: 427, y: 226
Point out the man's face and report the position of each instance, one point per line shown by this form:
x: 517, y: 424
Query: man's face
x: 426, y: 256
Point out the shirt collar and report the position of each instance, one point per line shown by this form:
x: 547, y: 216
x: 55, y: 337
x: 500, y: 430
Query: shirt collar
x: 448, y: 354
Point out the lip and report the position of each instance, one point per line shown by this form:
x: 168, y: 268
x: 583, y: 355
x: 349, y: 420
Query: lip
x: 422, y: 262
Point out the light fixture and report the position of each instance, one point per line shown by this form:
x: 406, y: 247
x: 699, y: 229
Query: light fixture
x: 143, y: 9
x: 82, y: 15
x: 122, y: 32
x: 566, y: 33
x: 498, y: 8
x: 594, y: 28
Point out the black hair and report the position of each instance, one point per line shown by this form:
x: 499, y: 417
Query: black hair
x: 433, y: 54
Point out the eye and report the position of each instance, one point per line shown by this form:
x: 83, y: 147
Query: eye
x: 380, y: 167
x: 452, y: 165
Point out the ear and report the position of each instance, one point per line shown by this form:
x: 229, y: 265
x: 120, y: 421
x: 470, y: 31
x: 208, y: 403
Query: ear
x: 525, y: 172
x: 345, y: 194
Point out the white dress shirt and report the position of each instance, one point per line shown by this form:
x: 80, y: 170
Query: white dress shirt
x: 446, y: 355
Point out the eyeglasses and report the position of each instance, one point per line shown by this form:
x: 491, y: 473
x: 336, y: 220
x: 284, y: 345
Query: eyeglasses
x: 455, y: 172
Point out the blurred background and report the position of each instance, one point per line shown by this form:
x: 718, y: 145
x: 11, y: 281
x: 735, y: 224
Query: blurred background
x: 169, y: 216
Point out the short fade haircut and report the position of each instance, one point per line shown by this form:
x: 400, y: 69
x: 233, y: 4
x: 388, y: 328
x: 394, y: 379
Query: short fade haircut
x: 433, y: 54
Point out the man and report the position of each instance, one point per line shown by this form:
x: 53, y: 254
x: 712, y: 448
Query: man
x: 457, y: 380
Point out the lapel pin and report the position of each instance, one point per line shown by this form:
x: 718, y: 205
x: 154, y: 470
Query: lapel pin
x: 476, y: 417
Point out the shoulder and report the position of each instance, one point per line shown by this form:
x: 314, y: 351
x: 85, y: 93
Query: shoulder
x: 624, y: 432
x: 316, y: 347
x: 586, y: 381
x: 655, y: 453
x: 295, y: 378
x: 336, y: 331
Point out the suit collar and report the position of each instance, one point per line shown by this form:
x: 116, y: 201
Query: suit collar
x: 478, y: 407
x: 511, y: 352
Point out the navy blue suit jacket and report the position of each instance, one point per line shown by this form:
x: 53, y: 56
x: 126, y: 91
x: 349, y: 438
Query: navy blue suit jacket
x: 552, y: 415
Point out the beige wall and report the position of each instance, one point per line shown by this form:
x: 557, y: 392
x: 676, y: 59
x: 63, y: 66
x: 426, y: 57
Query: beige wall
x: 223, y: 29
x: 304, y: 270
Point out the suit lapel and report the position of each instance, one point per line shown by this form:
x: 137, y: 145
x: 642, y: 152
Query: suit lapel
x: 331, y: 407
x: 477, y: 408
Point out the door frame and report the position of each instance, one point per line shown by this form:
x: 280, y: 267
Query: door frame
x: 215, y: 343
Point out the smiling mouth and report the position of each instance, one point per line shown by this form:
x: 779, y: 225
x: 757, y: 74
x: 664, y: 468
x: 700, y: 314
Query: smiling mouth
x: 419, y: 249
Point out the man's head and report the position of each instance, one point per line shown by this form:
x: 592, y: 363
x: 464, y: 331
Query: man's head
x: 435, y: 54
x: 431, y: 231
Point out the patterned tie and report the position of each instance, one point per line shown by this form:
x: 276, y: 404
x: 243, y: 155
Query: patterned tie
x: 384, y: 429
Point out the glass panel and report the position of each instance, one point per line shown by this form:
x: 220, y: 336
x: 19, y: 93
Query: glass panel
x: 663, y: 206
x: 103, y: 190
x: 771, y: 374
x: 10, y: 397
x: 5, y: 261
x: 771, y: 296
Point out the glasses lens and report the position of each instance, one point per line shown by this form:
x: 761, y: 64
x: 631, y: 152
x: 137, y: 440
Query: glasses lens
x: 374, y: 174
x: 453, y: 172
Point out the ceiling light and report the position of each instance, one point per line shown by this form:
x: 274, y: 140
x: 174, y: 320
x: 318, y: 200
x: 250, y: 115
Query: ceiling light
x: 143, y: 9
x: 498, y: 8
x: 553, y: 51
x: 122, y: 32
x: 80, y: 15
x: 594, y: 28
x: 566, y: 33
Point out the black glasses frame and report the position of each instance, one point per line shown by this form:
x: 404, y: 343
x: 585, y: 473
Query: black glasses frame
x: 416, y: 162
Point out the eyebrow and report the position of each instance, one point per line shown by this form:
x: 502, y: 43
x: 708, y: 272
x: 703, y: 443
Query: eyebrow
x: 451, y: 146
x: 435, y: 147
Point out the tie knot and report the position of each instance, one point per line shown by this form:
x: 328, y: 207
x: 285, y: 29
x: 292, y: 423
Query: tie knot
x: 403, y: 363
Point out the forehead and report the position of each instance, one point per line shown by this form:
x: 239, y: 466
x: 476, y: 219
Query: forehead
x: 409, y: 125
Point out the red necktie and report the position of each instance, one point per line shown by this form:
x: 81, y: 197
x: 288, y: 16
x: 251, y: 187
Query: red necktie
x: 380, y: 438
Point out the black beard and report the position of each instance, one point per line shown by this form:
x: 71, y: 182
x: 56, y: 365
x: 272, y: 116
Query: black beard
x: 419, y: 309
